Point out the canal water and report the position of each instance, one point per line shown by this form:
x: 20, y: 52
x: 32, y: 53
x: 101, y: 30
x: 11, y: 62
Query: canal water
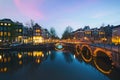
x: 49, y: 65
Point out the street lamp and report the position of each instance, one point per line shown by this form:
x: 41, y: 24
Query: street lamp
x: 104, y: 40
x: 85, y: 38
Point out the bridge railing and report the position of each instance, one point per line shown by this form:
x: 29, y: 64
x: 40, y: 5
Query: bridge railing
x: 108, y: 47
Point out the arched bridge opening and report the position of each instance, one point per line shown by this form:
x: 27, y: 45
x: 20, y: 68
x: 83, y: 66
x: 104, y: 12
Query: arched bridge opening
x: 86, y: 53
x: 59, y: 46
x: 103, y: 60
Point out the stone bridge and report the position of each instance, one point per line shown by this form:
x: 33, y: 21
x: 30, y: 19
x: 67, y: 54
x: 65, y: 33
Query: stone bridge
x: 97, y: 55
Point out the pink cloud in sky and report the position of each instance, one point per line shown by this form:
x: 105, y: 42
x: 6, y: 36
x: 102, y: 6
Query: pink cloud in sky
x: 29, y: 8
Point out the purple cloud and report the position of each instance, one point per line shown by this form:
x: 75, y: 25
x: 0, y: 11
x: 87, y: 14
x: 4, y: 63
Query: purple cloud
x: 29, y: 8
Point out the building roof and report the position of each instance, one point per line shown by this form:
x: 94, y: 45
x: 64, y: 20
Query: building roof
x: 118, y: 26
x: 6, y: 20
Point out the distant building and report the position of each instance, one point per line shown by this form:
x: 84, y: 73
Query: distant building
x: 79, y: 34
x: 101, y: 35
x: 116, y: 35
x: 37, y: 34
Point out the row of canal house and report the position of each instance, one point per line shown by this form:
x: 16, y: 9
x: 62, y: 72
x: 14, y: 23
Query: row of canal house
x: 12, y: 32
x: 116, y: 34
x: 92, y: 35
x: 107, y: 35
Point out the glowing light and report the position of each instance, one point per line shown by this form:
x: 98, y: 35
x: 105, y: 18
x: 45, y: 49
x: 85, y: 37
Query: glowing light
x: 0, y: 56
x: 38, y: 54
x: 5, y: 69
x: 5, y: 60
x: 1, y: 69
x: 49, y: 52
x: 85, y: 38
x: 5, y: 24
x: 37, y: 39
x: 102, y: 50
x: 1, y: 23
x: 20, y: 62
x: 42, y: 55
x: 74, y: 56
x: 20, y: 30
x: 38, y: 60
x: 77, y: 46
x: 29, y: 54
x: 116, y: 40
x: 9, y: 24
x: 37, y: 31
x: 19, y: 56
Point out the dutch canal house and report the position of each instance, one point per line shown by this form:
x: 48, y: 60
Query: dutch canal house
x: 116, y: 35
x: 37, y: 34
x: 10, y: 31
x: 5, y: 30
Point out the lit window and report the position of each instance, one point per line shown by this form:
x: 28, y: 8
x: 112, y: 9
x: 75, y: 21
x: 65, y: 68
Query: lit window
x: 1, y: 23
x: 37, y: 31
x: 1, y: 33
x: 5, y: 33
x: 20, y: 30
x: 101, y: 33
x: 5, y: 24
x: 9, y: 24
x: 8, y: 33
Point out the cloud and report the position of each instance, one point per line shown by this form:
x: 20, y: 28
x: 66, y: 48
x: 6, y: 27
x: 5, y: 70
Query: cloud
x: 30, y: 8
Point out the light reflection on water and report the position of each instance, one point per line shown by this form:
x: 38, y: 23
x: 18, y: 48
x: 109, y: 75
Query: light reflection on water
x: 46, y: 65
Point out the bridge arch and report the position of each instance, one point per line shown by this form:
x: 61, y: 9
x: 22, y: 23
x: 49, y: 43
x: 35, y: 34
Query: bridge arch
x: 59, y: 46
x: 86, y: 53
x: 78, y: 49
x: 103, y: 60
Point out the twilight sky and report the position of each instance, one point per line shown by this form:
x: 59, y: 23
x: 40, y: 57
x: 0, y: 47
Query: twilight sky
x: 62, y: 13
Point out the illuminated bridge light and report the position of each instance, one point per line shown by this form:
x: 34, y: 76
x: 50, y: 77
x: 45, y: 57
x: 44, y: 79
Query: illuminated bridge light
x: 0, y: 56
x: 78, y: 49
x: 20, y: 62
x: 38, y: 61
x: 19, y: 56
x: 38, y: 54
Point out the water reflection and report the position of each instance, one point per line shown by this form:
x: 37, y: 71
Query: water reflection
x: 10, y: 61
x: 48, y: 65
x: 68, y: 57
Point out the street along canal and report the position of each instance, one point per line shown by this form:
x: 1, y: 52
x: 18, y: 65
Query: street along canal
x: 49, y: 65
